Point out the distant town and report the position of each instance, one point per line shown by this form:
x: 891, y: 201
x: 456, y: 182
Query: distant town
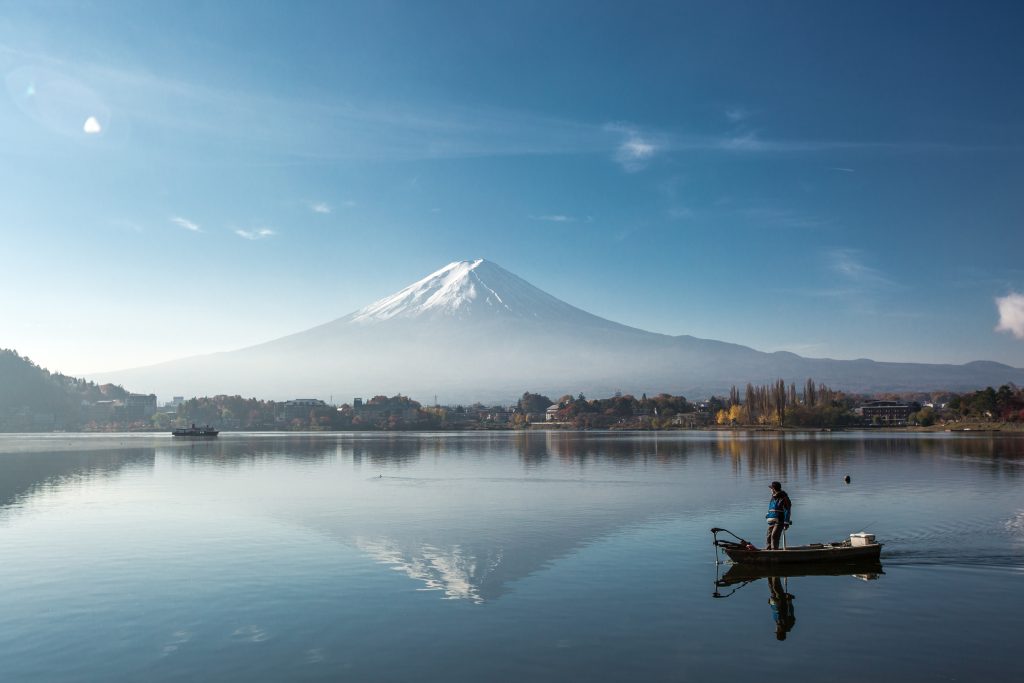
x: 35, y: 400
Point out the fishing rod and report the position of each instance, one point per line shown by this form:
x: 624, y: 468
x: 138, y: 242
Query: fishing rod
x: 717, y: 530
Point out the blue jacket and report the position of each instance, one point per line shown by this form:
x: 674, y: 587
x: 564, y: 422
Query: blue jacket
x: 779, y: 508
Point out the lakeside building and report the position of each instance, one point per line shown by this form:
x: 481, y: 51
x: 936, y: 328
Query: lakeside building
x: 172, y: 405
x: 138, y: 406
x: 298, y: 408
x: 885, y: 413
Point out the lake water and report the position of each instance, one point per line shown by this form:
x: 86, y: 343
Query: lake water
x: 502, y: 557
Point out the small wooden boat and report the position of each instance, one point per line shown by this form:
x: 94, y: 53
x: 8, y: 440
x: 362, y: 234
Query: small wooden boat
x: 744, y: 552
x: 193, y: 431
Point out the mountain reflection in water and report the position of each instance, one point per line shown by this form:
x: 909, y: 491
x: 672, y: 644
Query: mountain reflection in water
x: 539, y: 556
x: 469, y: 532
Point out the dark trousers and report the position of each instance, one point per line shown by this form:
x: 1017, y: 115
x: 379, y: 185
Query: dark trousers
x: 773, y: 536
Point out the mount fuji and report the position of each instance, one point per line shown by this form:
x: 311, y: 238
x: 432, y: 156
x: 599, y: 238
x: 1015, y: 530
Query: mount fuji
x: 474, y: 331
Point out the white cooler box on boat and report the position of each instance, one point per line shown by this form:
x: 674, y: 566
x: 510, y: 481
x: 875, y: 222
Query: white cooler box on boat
x: 862, y: 539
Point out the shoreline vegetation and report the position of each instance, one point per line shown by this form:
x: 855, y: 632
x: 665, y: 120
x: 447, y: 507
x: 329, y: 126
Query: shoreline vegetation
x: 34, y: 400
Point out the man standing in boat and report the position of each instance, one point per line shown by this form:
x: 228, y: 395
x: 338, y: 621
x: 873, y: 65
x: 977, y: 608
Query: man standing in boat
x: 779, y: 508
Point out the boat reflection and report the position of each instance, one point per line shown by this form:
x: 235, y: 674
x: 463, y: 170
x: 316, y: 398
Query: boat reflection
x: 779, y: 598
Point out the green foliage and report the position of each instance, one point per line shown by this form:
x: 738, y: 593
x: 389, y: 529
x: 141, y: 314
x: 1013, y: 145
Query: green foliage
x: 1006, y: 403
x: 925, y: 417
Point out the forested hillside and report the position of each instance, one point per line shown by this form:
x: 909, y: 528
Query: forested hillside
x: 33, y: 398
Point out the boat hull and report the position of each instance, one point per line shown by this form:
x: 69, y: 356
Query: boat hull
x: 807, y: 554
x: 195, y: 433
x: 743, y: 573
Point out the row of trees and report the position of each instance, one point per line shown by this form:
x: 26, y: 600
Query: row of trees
x: 235, y: 412
x: 781, y: 405
x: 616, y: 410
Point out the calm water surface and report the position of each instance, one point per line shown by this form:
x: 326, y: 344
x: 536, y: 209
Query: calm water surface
x: 503, y: 556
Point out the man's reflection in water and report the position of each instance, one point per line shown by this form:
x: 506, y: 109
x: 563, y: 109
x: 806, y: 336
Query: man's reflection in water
x: 782, y: 608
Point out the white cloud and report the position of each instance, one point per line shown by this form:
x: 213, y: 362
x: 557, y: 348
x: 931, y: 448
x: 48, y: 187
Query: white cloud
x: 1011, y: 314
x: 635, y: 151
x: 842, y: 169
x: 320, y: 207
x: 636, y: 148
x: 349, y: 203
x: 92, y: 126
x: 554, y: 218
x: 259, y: 234
x: 185, y: 223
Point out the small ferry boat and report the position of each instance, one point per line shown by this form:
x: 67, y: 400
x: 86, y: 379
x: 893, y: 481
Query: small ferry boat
x: 206, y: 431
x: 859, y: 547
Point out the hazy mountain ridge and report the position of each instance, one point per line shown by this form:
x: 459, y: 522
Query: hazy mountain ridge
x: 474, y: 331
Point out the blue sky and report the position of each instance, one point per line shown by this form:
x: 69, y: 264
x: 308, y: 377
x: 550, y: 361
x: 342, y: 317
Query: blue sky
x: 834, y: 180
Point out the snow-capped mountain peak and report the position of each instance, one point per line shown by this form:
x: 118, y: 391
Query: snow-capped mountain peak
x: 466, y: 289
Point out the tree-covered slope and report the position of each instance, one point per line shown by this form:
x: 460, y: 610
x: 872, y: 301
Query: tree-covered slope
x: 30, y: 394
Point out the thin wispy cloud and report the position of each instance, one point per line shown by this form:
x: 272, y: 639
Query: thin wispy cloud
x: 1011, y: 314
x: 335, y: 130
x: 736, y: 114
x: 849, y: 265
x: 842, y: 169
x: 747, y: 142
x: 624, y: 234
x: 967, y: 276
x: 186, y: 224
x: 320, y: 207
x: 555, y: 218
x: 258, y: 234
x: 854, y: 284
x: 634, y: 151
x: 785, y: 218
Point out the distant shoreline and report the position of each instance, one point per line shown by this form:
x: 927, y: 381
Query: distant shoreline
x: 960, y: 427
